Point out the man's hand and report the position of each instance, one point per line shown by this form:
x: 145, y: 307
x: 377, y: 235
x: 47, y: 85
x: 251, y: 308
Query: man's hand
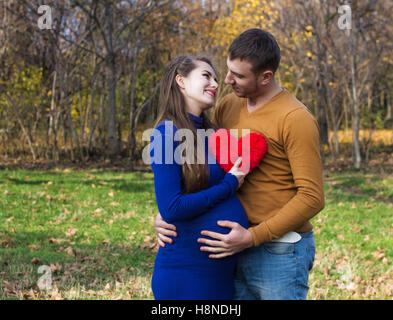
x: 164, y: 231
x: 226, y: 245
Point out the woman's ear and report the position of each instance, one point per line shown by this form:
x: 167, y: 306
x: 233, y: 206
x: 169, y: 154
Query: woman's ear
x: 180, y: 81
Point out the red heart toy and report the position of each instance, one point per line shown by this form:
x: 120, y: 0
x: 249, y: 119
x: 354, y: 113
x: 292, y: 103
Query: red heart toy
x: 226, y: 149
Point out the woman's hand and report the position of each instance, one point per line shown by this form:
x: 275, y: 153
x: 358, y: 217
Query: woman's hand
x: 240, y: 175
x: 164, y: 230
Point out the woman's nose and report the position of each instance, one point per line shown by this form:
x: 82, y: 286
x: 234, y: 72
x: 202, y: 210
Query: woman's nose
x: 214, y: 84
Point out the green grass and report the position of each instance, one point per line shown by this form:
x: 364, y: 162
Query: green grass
x: 95, y: 230
x: 354, y: 238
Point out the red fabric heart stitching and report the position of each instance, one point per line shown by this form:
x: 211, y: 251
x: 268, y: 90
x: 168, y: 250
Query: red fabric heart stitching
x: 226, y: 149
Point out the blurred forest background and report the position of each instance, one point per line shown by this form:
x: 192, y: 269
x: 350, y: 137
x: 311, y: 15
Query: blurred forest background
x: 87, y: 88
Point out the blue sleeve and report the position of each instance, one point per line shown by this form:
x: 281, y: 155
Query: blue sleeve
x: 172, y: 204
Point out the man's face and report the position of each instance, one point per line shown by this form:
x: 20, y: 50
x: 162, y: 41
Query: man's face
x: 241, y: 78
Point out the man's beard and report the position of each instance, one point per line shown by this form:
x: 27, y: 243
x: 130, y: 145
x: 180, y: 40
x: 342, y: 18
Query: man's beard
x: 246, y: 93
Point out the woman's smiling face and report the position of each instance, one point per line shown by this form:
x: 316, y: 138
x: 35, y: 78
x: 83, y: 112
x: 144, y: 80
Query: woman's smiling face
x: 199, y: 87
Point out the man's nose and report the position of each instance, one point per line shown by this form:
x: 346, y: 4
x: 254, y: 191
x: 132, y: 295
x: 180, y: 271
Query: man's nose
x: 228, y: 79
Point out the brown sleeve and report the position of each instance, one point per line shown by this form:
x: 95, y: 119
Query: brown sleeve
x: 301, y: 143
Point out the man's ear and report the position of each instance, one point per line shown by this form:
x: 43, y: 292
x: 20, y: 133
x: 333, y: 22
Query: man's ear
x: 265, y: 77
x: 180, y: 81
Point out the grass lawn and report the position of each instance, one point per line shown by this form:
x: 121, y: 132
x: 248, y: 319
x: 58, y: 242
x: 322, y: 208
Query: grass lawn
x: 94, y: 229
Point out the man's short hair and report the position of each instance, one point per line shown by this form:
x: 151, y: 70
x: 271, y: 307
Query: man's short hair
x: 259, y: 48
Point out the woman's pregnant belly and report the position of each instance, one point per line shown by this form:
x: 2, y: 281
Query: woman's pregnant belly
x: 185, y: 249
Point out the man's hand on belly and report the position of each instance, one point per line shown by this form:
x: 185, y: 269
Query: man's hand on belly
x: 164, y: 231
x: 226, y: 245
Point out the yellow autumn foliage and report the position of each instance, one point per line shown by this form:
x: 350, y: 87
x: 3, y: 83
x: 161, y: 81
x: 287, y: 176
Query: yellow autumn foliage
x: 384, y: 137
x: 246, y: 14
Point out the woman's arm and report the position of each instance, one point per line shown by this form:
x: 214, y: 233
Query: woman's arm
x: 172, y: 204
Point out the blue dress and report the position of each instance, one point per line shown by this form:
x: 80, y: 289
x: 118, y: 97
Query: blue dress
x: 181, y: 270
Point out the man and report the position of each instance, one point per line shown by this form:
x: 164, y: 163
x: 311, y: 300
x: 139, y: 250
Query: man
x: 283, y: 193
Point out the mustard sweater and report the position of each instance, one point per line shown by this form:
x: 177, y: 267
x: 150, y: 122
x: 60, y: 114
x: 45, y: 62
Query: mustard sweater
x: 286, y: 190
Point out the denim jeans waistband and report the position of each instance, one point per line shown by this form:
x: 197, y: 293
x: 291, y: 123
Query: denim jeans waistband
x: 307, y: 234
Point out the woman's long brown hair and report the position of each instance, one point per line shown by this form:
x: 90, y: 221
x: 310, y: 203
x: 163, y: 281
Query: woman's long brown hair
x: 172, y: 107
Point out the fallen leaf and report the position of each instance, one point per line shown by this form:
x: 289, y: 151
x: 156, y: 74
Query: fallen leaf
x: 369, y: 205
x: 4, y: 242
x: 71, y: 231
x: 148, y: 239
x: 147, y: 264
x: 36, y: 261
x: 55, y: 267
x: 70, y: 251
x: 379, y: 254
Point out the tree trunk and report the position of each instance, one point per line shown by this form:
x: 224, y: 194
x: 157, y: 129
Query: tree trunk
x: 113, y: 147
x: 52, y: 121
x: 131, y: 137
x: 26, y: 133
x: 67, y: 116
x: 389, y: 112
x: 370, y: 128
x: 101, y: 122
x: 333, y: 116
x: 357, y: 158
x: 321, y: 98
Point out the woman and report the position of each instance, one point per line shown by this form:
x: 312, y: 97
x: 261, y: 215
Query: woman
x: 192, y: 195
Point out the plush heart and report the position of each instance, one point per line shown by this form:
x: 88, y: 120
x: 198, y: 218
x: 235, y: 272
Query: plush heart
x: 227, y: 149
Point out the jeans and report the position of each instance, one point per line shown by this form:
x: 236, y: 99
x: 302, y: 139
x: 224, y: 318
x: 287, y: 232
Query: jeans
x: 275, y: 270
